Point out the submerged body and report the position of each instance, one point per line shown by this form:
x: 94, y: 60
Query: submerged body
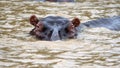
x: 58, y: 28
x: 57, y: 0
x: 60, y: 0
x: 112, y: 23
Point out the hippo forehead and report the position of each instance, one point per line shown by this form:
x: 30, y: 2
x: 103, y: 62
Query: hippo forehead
x: 55, y: 21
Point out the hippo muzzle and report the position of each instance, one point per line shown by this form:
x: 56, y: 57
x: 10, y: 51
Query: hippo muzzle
x: 55, y: 34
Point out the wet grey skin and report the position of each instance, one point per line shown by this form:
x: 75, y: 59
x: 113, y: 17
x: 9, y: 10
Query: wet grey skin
x: 56, y: 27
x: 112, y: 23
x: 57, y: 0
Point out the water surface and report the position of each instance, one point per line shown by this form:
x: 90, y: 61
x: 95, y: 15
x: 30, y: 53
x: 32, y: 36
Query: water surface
x: 94, y: 48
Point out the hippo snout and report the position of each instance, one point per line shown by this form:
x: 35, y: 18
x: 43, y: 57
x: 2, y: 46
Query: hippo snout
x: 55, y: 35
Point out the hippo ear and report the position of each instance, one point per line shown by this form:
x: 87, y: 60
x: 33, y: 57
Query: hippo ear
x: 33, y: 20
x: 76, y: 22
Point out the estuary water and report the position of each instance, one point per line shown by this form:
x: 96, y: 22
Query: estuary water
x: 94, y: 47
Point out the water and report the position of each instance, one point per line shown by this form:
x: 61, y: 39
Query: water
x: 94, y: 48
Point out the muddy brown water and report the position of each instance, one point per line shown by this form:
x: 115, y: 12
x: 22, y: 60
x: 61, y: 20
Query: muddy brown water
x: 94, y: 48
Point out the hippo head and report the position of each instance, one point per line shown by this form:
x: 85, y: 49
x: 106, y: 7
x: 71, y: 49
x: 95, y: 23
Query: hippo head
x: 54, y: 27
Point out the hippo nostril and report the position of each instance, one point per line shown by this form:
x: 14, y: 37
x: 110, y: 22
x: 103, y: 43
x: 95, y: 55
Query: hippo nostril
x: 59, y: 34
x: 55, y: 35
x: 50, y: 34
x: 64, y: 34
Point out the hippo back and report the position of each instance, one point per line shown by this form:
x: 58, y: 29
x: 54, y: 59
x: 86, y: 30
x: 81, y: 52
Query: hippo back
x: 112, y: 23
x: 57, y: 0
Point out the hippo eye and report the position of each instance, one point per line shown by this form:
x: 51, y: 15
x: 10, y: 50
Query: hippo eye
x: 44, y: 29
x: 66, y: 30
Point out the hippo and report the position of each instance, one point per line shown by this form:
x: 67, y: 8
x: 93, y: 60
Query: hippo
x: 59, y: 28
x: 54, y: 27
x: 57, y: 0
x: 60, y: 0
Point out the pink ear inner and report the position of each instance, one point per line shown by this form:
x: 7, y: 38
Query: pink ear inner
x: 76, y: 22
x: 33, y: 20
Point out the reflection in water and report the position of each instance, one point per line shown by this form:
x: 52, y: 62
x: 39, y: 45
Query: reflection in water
x: 96, y: 47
